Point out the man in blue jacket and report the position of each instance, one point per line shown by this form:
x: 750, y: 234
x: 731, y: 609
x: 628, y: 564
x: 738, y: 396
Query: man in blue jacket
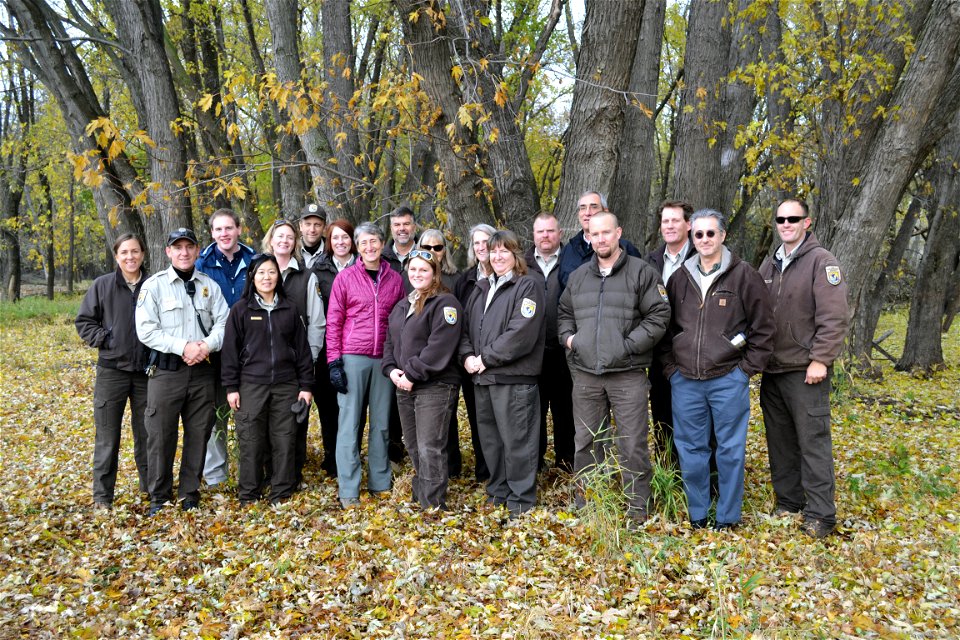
x: 225, y: 260
x: 578, y: 251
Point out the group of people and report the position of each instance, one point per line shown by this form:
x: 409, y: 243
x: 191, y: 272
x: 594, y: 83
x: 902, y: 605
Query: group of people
x: 587, y: 330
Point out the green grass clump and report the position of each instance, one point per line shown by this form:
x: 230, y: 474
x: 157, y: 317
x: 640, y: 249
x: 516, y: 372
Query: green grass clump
x: 61, y: 308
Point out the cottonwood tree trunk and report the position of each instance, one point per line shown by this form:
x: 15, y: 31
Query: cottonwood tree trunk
x: 864, y: 324
x: 139, y: 27
x: 51, y: 57
x: 454, y: 143
x: 923, y: 349
x: 290, y: 180
x: 328, y: 184
x: 697, y: 176
x: 892, y: 158
x: 340, y: 122
x: 13, y: 175
x: 630, y: 194
x: 608, y: 46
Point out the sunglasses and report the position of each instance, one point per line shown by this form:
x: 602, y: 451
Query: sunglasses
x: 790, y: 219
x: 432, y: 247
x: 709, y: 233
x: 423, y: 255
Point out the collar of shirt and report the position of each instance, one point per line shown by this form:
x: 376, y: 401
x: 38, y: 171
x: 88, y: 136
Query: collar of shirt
x: 547, y: 263
x: 413, y: 297
x: 343, y: 265
x: 786, y: 258
x: 672, y: 262
x: 265, y: 305
x: 495, y: 284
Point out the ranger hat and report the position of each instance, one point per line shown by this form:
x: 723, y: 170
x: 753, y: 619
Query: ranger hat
x: 314, y: 211
x: 181, y: 234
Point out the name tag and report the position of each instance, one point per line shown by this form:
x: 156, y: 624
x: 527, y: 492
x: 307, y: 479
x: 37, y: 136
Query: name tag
x: 256, y: 317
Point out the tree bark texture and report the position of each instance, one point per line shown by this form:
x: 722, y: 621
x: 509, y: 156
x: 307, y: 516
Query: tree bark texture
x: 338, y: 119
x: 139, y: 28
x: 864, y: 324
x: 515, y: 199
x: 630, y: 194
x: 454, y: 143
x: 608, y: 46
x: 52, y: 59
x: 698, y: 155
x: 922, y: 348
x: 328, y: 185
x: 892, y: 158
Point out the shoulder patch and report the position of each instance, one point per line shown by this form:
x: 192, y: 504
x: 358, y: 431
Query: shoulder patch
x: 663, y: 292
x: 450, y: 315
x: 833, y: 275
x: 528, y: 308
x: 141, y: 297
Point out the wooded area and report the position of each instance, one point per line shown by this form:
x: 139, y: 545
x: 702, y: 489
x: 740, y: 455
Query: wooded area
x: 144, y: 116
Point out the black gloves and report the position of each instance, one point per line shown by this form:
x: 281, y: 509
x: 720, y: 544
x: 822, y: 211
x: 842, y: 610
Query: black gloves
x: 301, y: 410
x: 338, y: 377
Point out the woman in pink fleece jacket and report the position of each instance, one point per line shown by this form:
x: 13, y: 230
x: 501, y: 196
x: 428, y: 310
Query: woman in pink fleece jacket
x: 361, y: 299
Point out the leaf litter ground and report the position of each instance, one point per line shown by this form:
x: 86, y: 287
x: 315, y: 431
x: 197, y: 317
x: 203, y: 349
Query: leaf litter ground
x: 387, y: 569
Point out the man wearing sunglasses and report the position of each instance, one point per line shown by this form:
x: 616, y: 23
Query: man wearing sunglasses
x: 180, y: 316
x: 809, y: 300
x: 720, y: 335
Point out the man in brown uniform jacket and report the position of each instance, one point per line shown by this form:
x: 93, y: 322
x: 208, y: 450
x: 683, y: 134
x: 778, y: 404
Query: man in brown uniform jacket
x: 809, y: 300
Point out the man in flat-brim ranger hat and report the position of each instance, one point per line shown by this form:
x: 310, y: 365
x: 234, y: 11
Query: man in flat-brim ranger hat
x: 181, y: 314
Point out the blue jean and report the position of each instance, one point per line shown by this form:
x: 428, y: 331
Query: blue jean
x: 363, y: 376
x: 723, y: 402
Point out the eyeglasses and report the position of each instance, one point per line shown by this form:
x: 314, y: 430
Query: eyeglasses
x: 709, y: 233
x: 790, y: 219
x: 432, y: 247
x: 423, y: 255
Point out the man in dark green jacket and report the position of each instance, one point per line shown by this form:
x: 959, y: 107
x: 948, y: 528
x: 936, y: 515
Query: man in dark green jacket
x: 612, y: 313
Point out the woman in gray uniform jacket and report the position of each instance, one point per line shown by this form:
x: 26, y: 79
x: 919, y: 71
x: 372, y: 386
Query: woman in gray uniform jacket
x: 502, y: 347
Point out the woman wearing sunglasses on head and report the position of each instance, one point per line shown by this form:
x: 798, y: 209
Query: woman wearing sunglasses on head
x: 419, y: 358
x: 266, y: 369
x: 303, y: 291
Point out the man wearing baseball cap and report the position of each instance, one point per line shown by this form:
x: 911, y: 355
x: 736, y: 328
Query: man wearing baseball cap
x: 313, y: 222
x: 180, y: 316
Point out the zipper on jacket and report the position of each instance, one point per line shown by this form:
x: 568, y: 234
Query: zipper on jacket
x: 273, y: 355
x: 603, y: 280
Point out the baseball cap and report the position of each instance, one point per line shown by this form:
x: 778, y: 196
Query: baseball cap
x: 181, y: 234
x: 313, y: 210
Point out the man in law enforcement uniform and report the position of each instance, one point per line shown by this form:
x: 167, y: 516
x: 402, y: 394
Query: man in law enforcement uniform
x: 181, y: 314
x: 809, y: 300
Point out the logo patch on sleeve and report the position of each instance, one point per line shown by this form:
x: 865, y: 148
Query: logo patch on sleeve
x: 663, y: 292
x: 141, y: 298
x: 450, y: 315
x: 528, y: 308
x: 833, y: 275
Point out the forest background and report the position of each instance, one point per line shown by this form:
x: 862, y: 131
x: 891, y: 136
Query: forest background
x: 145, y: 116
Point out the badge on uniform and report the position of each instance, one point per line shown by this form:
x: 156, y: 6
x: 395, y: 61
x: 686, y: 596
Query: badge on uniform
x: 663, y: 292
x: 833, y: 275
x: 450, y: 315
x: 205, y: 292
x: 141, y: 298
x: 527, y: 308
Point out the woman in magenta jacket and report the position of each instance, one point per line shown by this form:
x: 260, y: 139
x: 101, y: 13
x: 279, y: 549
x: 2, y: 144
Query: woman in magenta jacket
x: 361, y: 299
